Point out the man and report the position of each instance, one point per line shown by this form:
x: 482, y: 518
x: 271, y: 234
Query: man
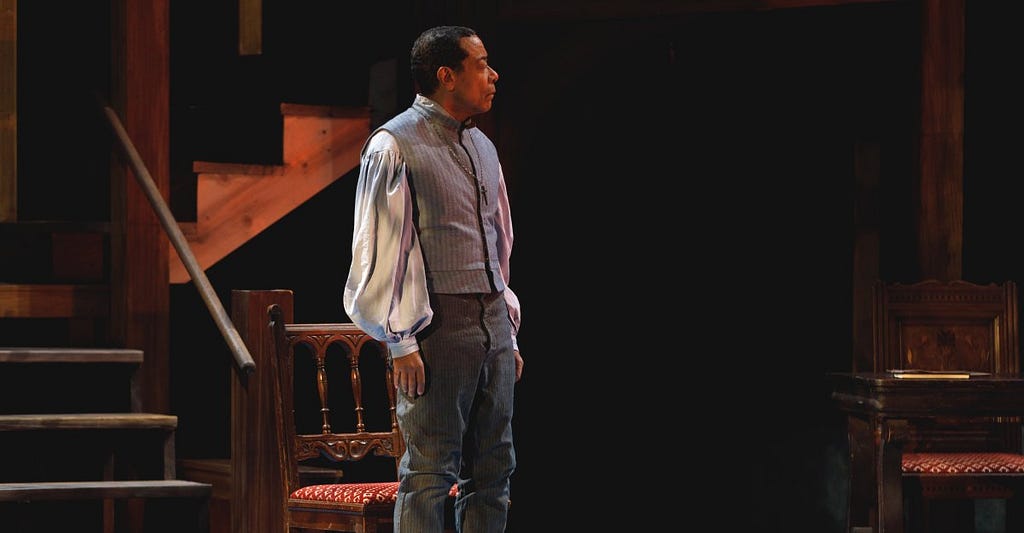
x: 429, y: 276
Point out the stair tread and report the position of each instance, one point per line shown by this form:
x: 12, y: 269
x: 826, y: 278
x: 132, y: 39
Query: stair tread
x: 84, y: 490
x: 58, y: 300
x: 23, y: 422
x: 69, y: 355
x: 54, y: 226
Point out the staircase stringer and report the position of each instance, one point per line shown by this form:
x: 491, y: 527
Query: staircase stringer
x: 235, y: 202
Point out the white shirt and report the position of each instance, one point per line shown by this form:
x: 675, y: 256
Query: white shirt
x: 386, y: 291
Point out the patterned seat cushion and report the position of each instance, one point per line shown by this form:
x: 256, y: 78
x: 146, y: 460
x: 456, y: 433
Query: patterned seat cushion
x: 963, y: 463
x: 364, y: 493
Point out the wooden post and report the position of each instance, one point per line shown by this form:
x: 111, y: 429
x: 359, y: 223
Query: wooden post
x: 866, y: 248
x: 257, y: 499
x: 250, y: 27
x: 8, y: 110
x: 941, y: 160
x: 139, y: 248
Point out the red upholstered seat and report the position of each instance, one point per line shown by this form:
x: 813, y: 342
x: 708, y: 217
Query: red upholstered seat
x: 963, y: 463
x: 309, y: 360
x: 951, y: 462
x: 349, y: 493
x: 364, y: 493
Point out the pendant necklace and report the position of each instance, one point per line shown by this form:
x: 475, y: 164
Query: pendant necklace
x: 469, y: 172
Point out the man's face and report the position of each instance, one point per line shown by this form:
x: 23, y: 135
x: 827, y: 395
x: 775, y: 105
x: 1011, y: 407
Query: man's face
x: 474, y: 84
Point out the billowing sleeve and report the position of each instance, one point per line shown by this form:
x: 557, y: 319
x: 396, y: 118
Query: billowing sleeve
x: 386, y: 290
x: 504, y: 227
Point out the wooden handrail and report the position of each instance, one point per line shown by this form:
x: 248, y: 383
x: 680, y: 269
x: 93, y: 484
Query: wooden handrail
x: 243, y: 359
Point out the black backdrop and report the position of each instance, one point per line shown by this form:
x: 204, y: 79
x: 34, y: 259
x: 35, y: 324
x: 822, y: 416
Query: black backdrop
x: 682, y: 191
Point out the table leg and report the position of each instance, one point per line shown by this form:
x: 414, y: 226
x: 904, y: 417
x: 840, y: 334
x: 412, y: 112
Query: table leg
x: 889, y: 461
x: 861, y: 509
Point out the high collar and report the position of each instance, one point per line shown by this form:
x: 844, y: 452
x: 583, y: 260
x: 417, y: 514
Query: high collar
x: 434, y: 112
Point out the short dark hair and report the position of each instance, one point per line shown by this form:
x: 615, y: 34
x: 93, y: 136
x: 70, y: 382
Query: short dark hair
x: 435, y: 48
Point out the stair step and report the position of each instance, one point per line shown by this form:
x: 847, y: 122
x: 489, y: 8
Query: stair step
x: 54, y: 252
x: 29, y: 300
x: 74, y: 421
x: 101, y: 381
x: 234, y: 202
x: 70, y: 355
x: 90, y: 490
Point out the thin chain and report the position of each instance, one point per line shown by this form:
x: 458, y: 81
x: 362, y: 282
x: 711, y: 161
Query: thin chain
x: 451, y: 151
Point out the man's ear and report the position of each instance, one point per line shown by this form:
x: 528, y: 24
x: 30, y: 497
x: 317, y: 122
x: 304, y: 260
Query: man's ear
x: 446, y: 77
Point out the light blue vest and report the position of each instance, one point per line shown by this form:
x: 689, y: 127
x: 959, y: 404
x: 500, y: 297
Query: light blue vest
x: 455, y: 198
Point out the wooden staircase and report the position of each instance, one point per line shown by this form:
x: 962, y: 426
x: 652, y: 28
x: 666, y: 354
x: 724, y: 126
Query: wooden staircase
x: 56, y: 269
x: 83, y: 455
x: 83, y: 276
x: 78, y: 454
x: 235, y: 202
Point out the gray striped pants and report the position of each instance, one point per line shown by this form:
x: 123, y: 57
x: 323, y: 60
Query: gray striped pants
x: 461, y: 428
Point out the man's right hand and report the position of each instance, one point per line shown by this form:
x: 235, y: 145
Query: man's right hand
x: 409, y: 374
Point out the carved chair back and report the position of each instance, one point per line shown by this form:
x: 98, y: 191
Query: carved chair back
x: 950, y: 326
x: 336, y: 408
x: 949, y: 463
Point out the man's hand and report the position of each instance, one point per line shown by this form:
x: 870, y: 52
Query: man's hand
x: 519, y: 365
x: 409, y: 374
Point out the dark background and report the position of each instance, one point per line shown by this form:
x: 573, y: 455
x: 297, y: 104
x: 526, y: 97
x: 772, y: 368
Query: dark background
x: 682, y: 190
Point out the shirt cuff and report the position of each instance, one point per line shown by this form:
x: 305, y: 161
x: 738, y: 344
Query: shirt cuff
x: 515, y: 345
x: 403, y: 347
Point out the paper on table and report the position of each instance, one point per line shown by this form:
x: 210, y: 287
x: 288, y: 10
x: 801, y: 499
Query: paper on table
x: 912, y: 373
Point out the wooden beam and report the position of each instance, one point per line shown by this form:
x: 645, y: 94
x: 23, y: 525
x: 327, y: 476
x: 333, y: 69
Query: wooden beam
x: 940, y: 192
x: 867, y: 255
x: 139, y: 247
x: 256, y: 484
x: 250, y: 27
x: 611, y: 9
x: 8, y: 110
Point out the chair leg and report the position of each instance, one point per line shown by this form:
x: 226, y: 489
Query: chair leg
x: 948, y: 516
x: 1015, y: 512
x: 913, y: 507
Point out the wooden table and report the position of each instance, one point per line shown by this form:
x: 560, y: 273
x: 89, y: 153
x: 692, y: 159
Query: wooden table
x: 877, y: 408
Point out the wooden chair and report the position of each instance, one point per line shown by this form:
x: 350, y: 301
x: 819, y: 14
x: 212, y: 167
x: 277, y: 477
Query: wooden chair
x: 948, y: 464
x: 311, y: 361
